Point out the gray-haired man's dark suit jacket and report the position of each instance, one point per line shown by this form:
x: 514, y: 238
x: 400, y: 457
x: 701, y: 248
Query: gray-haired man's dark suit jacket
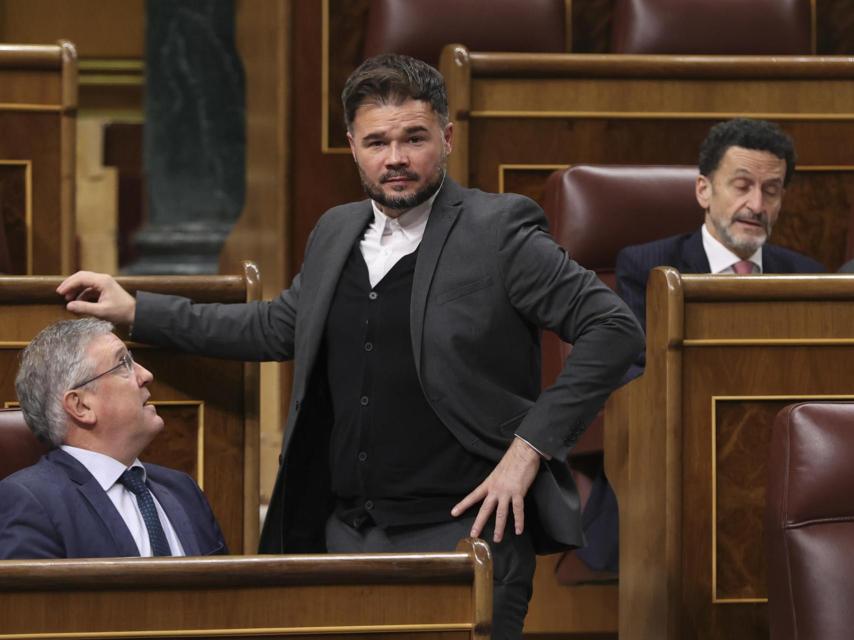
x: 57, y: 509
x: 488, y: 276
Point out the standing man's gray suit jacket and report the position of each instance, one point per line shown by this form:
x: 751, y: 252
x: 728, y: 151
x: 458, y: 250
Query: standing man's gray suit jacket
x: 488, y: 276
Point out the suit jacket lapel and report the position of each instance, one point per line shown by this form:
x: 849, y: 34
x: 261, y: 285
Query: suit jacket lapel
x: 769, y: 262
x: 332, y: 249
x: 177, y: 516
x: 694, y: 259
x: 444, y: 214
x: 101, y: 503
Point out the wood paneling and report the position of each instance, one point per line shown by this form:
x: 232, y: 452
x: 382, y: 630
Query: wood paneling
x: 38, y: 100
x: 16, y: 211
x: 98, y: 28
x: 262, y: 234
x: 444, y: 595
x: 686, y: 443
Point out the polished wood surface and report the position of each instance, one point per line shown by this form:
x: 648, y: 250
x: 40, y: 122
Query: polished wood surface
x: 686, y: 442
x: 435, y: 595
x: 209, y: 406
x: 521, y: 116
x: 262, y: 233
x: 38, y: 102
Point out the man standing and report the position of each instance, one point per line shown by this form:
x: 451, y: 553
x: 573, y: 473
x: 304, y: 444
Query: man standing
x: 81, y: 391
x: 416, y: 413
x: 745, y: 166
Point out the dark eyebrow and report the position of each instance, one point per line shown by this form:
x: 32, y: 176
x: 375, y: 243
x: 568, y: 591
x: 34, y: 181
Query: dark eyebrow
x: 376, y: 135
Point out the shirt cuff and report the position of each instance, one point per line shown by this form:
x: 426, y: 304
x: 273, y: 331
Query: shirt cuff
x: 544, y: 456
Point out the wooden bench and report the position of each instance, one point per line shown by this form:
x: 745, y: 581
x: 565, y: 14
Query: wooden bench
x: 431, y: 595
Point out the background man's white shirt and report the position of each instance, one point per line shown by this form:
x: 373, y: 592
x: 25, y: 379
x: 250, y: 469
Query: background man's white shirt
x: 721, y: 259
x: 106, y: 471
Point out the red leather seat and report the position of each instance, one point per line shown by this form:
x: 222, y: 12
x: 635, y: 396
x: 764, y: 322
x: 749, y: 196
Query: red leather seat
x: 596, y: 210
x: 593, y: 212
x: 420, y: 28
x: 809, y: 522
x: 724, y: 27
x: 19, y: 448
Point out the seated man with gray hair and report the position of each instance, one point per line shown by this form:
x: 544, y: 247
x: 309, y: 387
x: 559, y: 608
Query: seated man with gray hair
x: 81, y: 391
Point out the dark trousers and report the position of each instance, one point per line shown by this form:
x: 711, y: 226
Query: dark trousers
x: 513, y: 560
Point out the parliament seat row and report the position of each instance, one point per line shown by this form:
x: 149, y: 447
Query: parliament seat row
x: 686, y: 450
x: 421, y: 28
x: 661, y: 472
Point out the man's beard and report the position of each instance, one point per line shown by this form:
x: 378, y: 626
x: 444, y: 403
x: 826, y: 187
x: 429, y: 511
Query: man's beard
x: 376, y: 193
x: 745, y: 244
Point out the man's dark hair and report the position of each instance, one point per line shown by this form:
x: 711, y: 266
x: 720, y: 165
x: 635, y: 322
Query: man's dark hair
x: 758, y: 135
x: 391, y: 78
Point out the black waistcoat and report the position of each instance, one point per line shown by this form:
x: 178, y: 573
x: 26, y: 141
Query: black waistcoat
x: 392, y: 460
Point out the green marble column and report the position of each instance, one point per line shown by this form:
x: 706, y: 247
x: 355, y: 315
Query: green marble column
x: 194, y: 153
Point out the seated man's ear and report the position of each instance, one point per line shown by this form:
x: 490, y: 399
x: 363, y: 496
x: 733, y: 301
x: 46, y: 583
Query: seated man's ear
x: 78, y: 407
x: 703, y: 191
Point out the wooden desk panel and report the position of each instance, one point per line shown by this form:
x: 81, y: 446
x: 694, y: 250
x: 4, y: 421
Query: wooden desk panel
x: 687, y: 442
x: 437, y: 595
x: 38, y: 104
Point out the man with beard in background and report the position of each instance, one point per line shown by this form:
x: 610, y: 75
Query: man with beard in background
x: 745, y: 166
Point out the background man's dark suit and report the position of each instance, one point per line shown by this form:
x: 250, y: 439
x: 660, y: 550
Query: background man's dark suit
x: 686, y: 253
x: 56, y: 509
x: 487, y: 276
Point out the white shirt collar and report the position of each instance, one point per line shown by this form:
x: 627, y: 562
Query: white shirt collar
x: 411, y: 224
x: 720, y: 258
x: 105, y: 469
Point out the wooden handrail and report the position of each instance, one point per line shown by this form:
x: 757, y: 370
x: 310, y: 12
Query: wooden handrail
x: 35, y: 56
x: 557, y: 65
x: 326, y: 569
x: 706, y: 288
x: 42, y: 289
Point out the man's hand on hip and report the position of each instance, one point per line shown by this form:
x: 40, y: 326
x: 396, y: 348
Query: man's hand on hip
x: 503, y: 489
x: 99, y: 295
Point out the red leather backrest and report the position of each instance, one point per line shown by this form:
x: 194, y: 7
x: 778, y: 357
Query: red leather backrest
x: 724, y: 27
x: 596, y: 210
x: 809, y: 522
x: 420, y: 28
x: 19, y: 448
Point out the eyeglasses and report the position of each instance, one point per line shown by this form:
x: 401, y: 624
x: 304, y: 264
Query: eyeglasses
x: 125, y: 361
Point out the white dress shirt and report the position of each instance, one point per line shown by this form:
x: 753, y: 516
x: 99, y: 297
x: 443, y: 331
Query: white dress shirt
x: 387, y: 239
x: 106, y: 471
x: 721, y: 259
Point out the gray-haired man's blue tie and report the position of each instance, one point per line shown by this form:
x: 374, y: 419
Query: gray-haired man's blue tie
x: 132, y: 479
